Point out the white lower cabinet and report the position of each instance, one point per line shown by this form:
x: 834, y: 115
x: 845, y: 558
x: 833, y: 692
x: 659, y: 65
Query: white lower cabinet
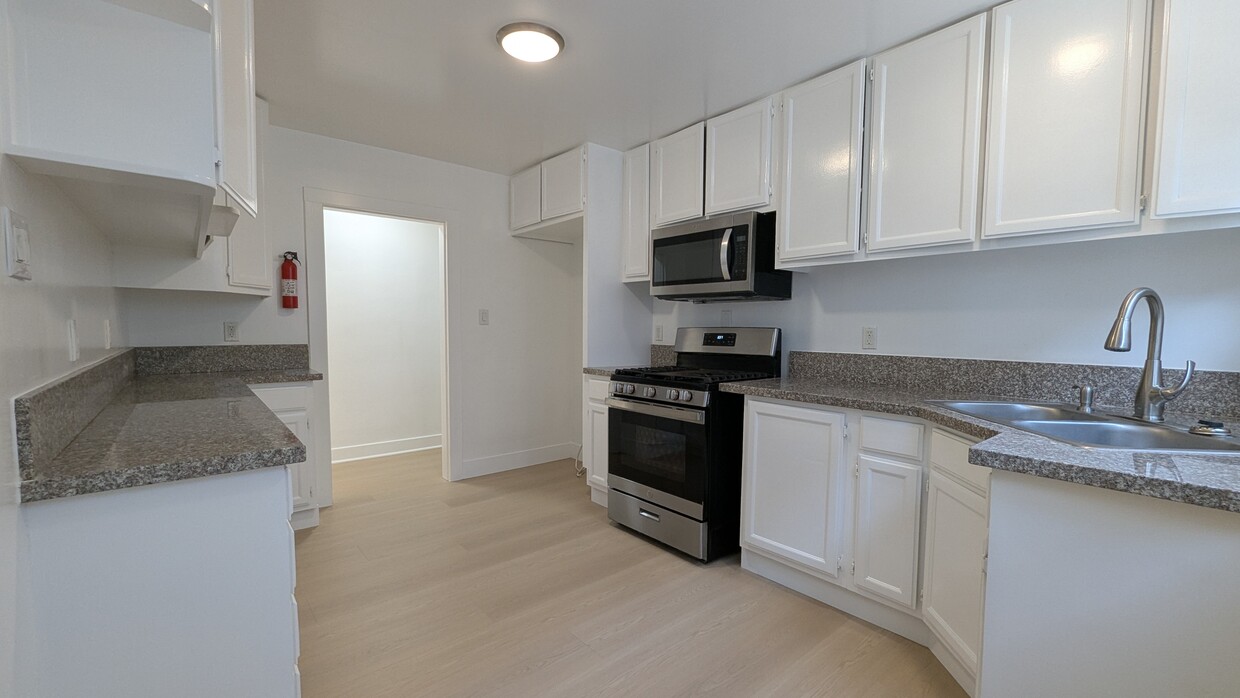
x: 292, y: 404
x: 888, y: 524
x: 594, y: 436
x: 792, y: 490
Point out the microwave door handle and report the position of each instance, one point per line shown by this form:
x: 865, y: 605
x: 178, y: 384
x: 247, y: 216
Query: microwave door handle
x: 723, y: 255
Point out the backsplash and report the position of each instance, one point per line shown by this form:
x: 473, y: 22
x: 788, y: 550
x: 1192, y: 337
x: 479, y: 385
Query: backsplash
x: 662, y: 355
x: 1210, y: 394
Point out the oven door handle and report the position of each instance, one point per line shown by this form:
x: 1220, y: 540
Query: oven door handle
x: 679, y: 414
x: 724, y: 265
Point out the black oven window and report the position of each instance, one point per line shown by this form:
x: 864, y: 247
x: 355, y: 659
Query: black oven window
x: 657, y: 452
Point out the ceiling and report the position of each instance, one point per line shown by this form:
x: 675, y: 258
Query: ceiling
x: 427, y: 77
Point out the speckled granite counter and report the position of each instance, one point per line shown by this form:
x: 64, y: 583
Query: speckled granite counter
x: 1204, y: 480
x: 149, y: 429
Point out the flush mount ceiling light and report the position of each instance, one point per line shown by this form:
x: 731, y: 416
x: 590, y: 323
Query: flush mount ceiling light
x: 530, y: 42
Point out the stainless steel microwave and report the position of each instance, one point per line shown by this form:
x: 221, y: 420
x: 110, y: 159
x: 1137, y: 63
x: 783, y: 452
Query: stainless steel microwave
x: 724, y: 258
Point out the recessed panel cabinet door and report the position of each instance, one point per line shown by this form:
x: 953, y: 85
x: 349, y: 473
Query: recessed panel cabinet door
x: 791, y: 491
x: 250, y: 263
x: 525, y: 198
x: 955, y: 578
x: 677, y: 168
x: 563, y: 184
x: 597, y: 470
x: 888, y: 515
x: 925, y: 139
x: 236, y: 132
x: 738, y: 158
x: 636, y: 204
x: 820, y: 190
x: 1066, y: 94
x: 1197, y: 143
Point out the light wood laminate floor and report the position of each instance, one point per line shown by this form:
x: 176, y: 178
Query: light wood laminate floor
x: 516, y: 585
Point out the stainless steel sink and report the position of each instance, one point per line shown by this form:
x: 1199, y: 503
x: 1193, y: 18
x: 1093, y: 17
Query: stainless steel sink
x: 1091, y: 429
x: 1007, y: 412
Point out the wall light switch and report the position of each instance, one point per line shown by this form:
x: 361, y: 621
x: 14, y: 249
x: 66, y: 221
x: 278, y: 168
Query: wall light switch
x: 484, y: 316
x: 869, y: 338
x: 658, y: 333
x: 231, y: 333
x: 16, y: 245
x: 75, y: 351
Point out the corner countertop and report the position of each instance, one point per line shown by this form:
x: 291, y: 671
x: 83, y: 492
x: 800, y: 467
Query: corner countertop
x: 162, y: 428
x: 1211, y: 481
x: 603, y: 371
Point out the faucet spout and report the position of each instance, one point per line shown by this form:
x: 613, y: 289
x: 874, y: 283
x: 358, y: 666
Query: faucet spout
x: 1152, y: 398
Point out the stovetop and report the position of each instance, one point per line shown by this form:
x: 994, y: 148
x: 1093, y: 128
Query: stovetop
x: 700, y: 378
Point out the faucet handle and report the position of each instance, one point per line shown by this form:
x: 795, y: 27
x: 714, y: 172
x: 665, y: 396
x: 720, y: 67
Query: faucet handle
x: 1172, y: 393
x: 1087, y: 397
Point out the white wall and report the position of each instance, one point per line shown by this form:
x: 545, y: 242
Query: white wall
x: 385, y: 333
x: 1052, y: 303
x: 71, y: 264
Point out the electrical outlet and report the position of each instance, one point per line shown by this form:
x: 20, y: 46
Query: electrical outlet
x: 484, y: 316
x: 75, y: 351
x: 231, y: 333
x: 107, y: 333
x: 869, y: 338
x: 725, y: 318
x: 16, y: 245
x: 658, y: 333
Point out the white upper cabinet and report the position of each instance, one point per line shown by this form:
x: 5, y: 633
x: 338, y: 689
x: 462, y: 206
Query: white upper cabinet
x: 738, y: 158
x: 636, y: 213
x: 1197, y: 140
x: 820, y: 188
x: 236, y: 130
x: 677, y: 175
x: 1066, y: 95
x: 525, y: 198
x: 925, y: 139
x: 792, y: 497
x: 250, y: 262
x: 563, y: 184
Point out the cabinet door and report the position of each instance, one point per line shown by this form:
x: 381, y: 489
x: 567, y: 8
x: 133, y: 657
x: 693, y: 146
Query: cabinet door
x: 1064, y: 135
x: 302, y: 474
x: 637, y: 214
x: 250, y: 263
x: 1197, y: 142
x: 676, y: 175
x: 820, y: 188
x: 888, y: 516
x: 738, y: 158
x: 563, y: 184
x: 597, y: 467
x: 791, y: 491
x: 233, y: 24
x: 955, y: 576
x: 525, y: 198
x: 925, y: 139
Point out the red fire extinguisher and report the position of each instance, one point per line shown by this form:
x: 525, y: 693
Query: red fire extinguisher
x: 288, y: 279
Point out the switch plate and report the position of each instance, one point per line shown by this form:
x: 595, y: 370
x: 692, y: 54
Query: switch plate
x: 658, y: 333
x: 869, y: 338
x: 16, y: 245
x: 231, y: 333
x: 484, y: 316
x: 75, y: 351
x: 107, y: 333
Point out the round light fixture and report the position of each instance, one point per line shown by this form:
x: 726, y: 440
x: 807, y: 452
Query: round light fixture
x: 530, y: 42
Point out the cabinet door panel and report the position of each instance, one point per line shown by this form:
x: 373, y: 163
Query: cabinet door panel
x: 235, y: 102
x: 563, y: 184
x: 738, y: 159
x: 955, y: 580
x: 888, y: 515
x: 1197, y: 156
x: 926, y: 126
x: 250, y: 264
x: 820, y: 191
x: 1065, y: 115
x: 791, y: 492
x: 676, y: 175
x: 298, y: 422
x: 597, y: 467
x: 637, y: 214
x: 525, y: 198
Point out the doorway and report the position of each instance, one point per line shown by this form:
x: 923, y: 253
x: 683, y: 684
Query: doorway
x: 385, y: 328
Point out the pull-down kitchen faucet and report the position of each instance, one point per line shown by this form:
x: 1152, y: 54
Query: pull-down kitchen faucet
x: 1152, y: 398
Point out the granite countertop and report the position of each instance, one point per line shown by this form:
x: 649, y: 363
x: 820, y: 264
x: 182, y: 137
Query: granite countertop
x: 604, y: 371
x: 162, y: 428
x: 1204, y: 480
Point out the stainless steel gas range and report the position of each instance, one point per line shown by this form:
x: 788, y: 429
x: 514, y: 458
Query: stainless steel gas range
x: 674, y: 461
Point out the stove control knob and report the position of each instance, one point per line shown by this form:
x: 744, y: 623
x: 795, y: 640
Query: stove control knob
x: 649, y: 392
x: 686, y: 396
x: 673, y: 394
x: 628, y: 388
x: 615, y: 388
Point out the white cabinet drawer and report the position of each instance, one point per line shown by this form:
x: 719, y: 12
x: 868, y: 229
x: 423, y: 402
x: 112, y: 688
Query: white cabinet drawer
x: 892, y: 437
x: 597, y: 389
x: 950, y: 454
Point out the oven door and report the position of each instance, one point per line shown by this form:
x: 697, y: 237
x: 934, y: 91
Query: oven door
x: 713, y: 261
x: 658, y: 453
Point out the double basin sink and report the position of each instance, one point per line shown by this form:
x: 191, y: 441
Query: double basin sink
x: 1092, y: 429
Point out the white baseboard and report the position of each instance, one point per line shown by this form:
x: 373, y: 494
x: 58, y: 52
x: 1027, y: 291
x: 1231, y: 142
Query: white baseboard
x: 344, y: 454
x: 306, y: 518
x: 598, y: 496
x: 852, y: 603
x: 511, y: 461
